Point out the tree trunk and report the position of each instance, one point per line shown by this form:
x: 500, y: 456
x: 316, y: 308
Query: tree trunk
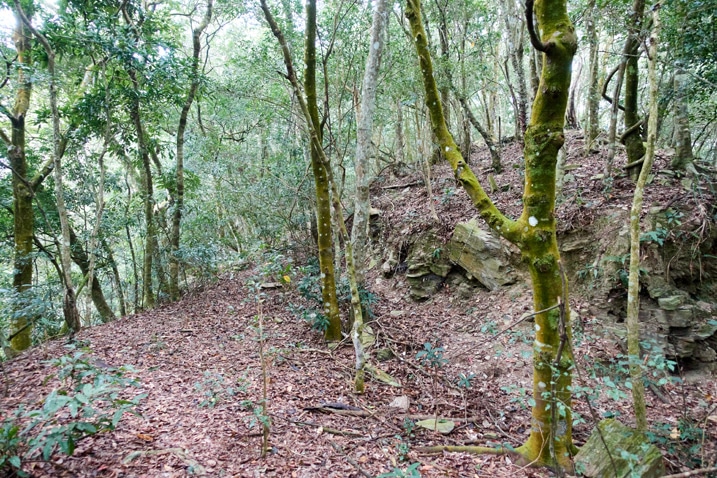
x: 633, y: 291
x: 80, y: 257
x: 550, y: 440
x: 321, y: 179
x: 400, y: 142
x: 179, y: 199
x: 23, y: 215
x: 683, y: 138
x: 116, y: 278
x: 72, y: 316
x: 364, y: 129
x: 632, y: 137
x: 148, y: 198
x: 593, y: 126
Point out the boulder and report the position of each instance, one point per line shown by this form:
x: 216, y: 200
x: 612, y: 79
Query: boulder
x: 631, y: 454
x: 481, y: 254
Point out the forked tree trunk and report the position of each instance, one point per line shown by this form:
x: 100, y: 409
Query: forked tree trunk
x: 550, y: 440
x: 80, y: 257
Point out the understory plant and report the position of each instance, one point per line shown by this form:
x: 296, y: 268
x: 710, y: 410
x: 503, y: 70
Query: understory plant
x: 91, y: 399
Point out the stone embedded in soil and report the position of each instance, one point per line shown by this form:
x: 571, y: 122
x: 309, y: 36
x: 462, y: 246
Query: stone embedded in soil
x: 481, y: 254
x: 630, y: 453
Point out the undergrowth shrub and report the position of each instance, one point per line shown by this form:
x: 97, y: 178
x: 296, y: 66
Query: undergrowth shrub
x: 90, y: 400
x: 309, y: 286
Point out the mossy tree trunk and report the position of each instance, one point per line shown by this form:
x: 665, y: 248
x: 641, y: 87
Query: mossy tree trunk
x: 23, y: 215
x: 321, y: 179
x: 72, y: 316
x: 179, y: 172
x: 550, y: 440
x: 683, y: 138
x: 310, y: 115
x: 309, y: 109
x: 593, y: 126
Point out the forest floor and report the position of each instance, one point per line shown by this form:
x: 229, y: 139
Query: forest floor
x: 198, y: 362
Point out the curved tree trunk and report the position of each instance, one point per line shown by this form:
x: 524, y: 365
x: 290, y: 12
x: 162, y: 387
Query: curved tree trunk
x: 550, y: 440
x: 80, y: 257
x: 179, y: 198
x: 72, y: 316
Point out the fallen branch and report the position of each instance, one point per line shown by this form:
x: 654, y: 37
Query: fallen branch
x: 339, y: 409
x: 701, y: 471
x: 477, y: 450
x: 399, y: 186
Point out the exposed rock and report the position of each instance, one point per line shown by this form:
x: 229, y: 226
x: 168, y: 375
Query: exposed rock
x: 630, y: 453
x: 402, y: 403
x: 481, y: 254
x: 670, y: 303
x: 424, y: 286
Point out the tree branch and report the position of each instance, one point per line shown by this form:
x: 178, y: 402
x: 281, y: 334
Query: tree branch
x: 534, y: 40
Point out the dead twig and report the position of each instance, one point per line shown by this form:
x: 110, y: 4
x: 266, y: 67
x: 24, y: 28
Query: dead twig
x: 340, y: 450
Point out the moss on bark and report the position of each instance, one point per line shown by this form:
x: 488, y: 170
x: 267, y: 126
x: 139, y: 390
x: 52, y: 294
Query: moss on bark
x: 550, y: 441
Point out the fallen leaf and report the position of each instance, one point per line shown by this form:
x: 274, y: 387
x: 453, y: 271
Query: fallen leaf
x: 441, y: 425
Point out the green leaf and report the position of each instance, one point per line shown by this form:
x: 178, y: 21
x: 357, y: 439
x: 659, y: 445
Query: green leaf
x: 47, y: 449
x: 15, y: 461
x: 87, y: 427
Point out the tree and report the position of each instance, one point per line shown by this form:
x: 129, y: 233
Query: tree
x: 633, y: 290
x: 72, y: 316
x: 179, y: 194
x: 550, y: 441
x: 364, y: 130
x: 319, y: 167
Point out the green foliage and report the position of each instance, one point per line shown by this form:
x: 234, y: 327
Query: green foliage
x: 309, y: 286
x: 431, y: 356
x: 41, y: 305
x: 683, y: 440
x: 410, y: 472
x: 258, y: 415
x: 214, y: 389
x: 90, y: 401
x: 465, y: 380
x: 657, y: 236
